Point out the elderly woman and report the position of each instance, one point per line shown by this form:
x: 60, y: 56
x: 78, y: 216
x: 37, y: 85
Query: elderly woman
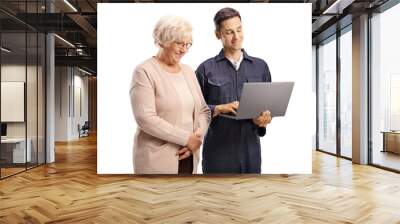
x: 168, y: 105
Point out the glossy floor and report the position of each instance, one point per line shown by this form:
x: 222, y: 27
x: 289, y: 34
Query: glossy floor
x: 70, y: 191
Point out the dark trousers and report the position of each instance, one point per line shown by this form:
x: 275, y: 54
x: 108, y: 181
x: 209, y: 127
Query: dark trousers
x: 186, y: 165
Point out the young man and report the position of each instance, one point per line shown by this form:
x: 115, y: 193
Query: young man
x: 231, y: 146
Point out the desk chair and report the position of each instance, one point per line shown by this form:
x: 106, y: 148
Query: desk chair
x: 84, y: 130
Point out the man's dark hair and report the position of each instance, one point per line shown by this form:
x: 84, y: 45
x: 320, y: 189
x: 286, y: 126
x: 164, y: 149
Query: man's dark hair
x: 224, y: 14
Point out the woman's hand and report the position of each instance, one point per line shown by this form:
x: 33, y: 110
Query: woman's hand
x: 194, y: 142
x: 192, y: 146
x: 183, y: 153
x: 199, y: 132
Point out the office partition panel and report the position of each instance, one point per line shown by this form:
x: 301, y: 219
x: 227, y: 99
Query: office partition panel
x: 22, y: 63
x: 31, y: 100
x: 327, y: 96
x: 346, y: 93
x: 15, y: 149
x: 385, y: 89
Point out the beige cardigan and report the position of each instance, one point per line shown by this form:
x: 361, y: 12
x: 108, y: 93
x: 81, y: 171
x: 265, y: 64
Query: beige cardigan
x: 157, y: 110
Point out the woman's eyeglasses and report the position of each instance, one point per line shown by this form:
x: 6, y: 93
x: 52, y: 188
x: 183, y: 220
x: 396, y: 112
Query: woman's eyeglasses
x: 183, y: 45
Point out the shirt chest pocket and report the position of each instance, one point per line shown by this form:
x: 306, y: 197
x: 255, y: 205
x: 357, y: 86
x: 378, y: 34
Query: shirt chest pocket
x: 219, y: 91
x: 254, y: 78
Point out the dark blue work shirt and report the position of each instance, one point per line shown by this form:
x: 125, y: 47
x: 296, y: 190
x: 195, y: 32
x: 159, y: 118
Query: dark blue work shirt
x: 231, y: 146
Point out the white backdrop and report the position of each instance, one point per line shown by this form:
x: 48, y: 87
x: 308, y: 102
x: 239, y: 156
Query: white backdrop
x: 278, y: 33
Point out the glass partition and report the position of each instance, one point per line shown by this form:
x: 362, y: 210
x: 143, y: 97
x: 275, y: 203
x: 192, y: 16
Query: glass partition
x: 32, y: 95
x: 41, y: 109
x: 327, y: 96
x: 346, y: 93
x: 13, y: 104
x: 385, y: 89
x: 22, y: 77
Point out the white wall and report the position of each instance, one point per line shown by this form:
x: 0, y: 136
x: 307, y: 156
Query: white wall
x: 82, y: 82
x: 70, y: 83
x: 61, y: 103
x: 13, y: 73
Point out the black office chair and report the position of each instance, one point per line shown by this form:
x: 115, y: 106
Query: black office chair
x: 84, y: 130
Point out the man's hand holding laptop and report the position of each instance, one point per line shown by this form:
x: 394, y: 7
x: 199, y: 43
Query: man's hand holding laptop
x: 226, y: 108
x: 264, y: 119
x: 230, y: 108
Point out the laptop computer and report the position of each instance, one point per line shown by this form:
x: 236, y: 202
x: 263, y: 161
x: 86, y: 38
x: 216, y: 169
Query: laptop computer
x: 261, y: 96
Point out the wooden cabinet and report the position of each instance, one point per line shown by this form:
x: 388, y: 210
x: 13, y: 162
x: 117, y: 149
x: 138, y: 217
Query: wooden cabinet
x: 391, y: 141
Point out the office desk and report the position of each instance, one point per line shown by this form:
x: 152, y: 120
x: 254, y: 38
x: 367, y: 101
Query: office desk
x: 13, y: 150
x: 391, y: 141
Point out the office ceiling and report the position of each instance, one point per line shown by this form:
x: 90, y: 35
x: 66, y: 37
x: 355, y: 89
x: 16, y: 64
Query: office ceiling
x: 76, y: 22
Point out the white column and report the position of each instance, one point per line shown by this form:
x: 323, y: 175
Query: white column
x: 50, y: 92
x: 360, y: 90
x: 50, y: 100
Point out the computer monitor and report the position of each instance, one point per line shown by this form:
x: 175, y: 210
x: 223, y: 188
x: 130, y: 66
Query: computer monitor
x: 3, y: 129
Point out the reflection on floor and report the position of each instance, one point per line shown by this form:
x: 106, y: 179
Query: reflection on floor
x: 386, y: 159
x: 346, y: 152
x: 10, y: 169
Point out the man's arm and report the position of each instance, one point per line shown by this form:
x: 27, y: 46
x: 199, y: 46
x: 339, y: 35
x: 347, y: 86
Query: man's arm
x: 202, y: 79
x: 266, y: 78
x: 215, y: 109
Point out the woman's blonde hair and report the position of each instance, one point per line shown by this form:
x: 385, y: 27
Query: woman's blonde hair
x: 171, y: 28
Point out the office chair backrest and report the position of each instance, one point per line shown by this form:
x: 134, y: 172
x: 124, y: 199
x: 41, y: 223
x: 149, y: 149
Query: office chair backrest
x: 86, y: 125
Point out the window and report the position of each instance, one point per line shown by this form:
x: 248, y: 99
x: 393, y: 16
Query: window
x: 346, y: 93
x: 327, y: 96
x: 385, y: 88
